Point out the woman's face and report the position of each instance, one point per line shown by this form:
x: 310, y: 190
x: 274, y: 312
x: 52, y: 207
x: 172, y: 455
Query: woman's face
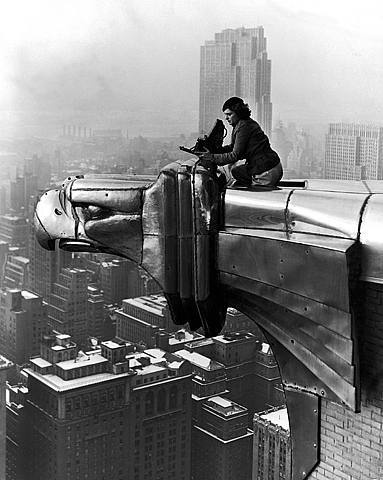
x: 231, y: 117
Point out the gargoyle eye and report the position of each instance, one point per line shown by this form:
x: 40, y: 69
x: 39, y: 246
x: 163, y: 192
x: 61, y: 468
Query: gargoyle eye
x: 58, y: 212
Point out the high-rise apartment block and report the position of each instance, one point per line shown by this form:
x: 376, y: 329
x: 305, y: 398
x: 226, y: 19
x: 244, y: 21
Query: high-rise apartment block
x: 23, y: 322
x: 271, y: 445
x: 222, y: 442
x: 4, y: 365
x: 108, y: 414
x: 354, y: 152
x: 67, y: 305
x: 235, y: 63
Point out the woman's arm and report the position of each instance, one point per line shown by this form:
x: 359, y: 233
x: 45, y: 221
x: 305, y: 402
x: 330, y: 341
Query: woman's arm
x: 237, y: 150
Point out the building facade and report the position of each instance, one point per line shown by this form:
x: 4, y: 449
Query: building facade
x: 23, y: 322
x: 67, y: 305
x: 354, y: 152
x: 15, y: 273
x: 108, y: 414
x: 271, y: 445
x: 235, y: 63
x: 222, y: 442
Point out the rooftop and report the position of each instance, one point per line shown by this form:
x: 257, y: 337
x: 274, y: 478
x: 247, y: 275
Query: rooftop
x: 225, y: 407
x: 28, y: 295
x: 4, y: 363
x: 199, y: 360
x: 278, y: 417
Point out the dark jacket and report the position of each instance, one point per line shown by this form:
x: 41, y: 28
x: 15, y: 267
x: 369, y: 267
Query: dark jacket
x: 248, y: 141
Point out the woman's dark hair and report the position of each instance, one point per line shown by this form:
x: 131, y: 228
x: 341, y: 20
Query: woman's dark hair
x: 237, y: 105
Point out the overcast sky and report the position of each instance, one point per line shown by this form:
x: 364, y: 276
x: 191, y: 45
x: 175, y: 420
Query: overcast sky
x: 84, y: 59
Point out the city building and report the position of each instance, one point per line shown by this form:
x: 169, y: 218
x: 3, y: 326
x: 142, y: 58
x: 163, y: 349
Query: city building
x: 235, y: 63
x: 4, y: 366
x: 268, y: 379
x: 252, y: 376
x: 238, y: 322
x: 271, y: 445
x: 222, y: 443
x: 111, y: 413
x: 44, y: 265
x: 15, y: 273
x: 141, y: 319
x: 23, y: 322
x: 171, y: 342
x: 17, y: 441
x: 209, y: 379
x: 68, y: 302
x: 95, y: 314
x: 14, y: 230
x: 114, y: 279
x: 4, y: 249
x: 354, y: 152
x: 3, y: 199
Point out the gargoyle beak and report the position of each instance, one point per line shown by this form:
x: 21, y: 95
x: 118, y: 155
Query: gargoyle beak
x: 52, y: 220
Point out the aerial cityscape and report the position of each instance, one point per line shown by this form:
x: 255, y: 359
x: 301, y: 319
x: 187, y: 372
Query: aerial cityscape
x: 96, y: 380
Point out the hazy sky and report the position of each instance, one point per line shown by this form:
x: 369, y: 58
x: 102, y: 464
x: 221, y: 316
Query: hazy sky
x: 84, y: 59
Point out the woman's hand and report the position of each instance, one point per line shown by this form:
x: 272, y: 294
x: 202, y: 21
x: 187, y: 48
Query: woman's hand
x: 206, y: 159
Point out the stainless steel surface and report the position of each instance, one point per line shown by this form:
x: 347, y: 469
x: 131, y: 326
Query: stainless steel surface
x: 304, y: 426
x: 340, y: 377
x: 325, y: 213
x: 304, y: 265
x: 371, y: 238
x: 249, y: 209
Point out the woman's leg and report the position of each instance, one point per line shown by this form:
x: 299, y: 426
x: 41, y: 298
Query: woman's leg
x: 241, y: 175
x: 269, y: 178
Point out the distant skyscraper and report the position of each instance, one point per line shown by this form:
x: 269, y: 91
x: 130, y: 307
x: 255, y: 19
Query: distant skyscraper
x: 15, y: 272
x: 235, y: 63
x: 95, y: 314
x: 67, y: 305
x: 271, y: 446
x: 354, y: 152
x: 108, y: 414
x: 23, y: 321
x: 14, y: 230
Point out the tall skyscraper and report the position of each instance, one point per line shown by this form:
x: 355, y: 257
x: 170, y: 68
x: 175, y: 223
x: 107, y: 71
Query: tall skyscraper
x: 68, y: 302
x: 108, y: 414
x: 15, y: 273
x: 271, y: 446
x: 23, y: 321
x: 235, y: 63
x: 354, y: 152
